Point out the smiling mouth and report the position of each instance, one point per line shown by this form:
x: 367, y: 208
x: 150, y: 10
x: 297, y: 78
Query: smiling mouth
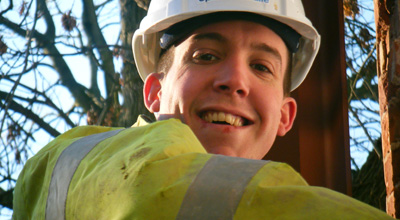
x: 224, y: 118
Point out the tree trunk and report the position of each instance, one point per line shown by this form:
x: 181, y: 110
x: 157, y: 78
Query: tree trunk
x: 368, y: 183
x: 388, y: 66
x: 131, y: 15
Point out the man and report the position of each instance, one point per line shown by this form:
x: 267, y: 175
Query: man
x: 227, y: 86
x: 218, y: 74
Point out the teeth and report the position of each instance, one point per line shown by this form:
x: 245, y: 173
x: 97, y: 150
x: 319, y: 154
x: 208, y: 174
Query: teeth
x: 215, y: 117
x: 223, y: 117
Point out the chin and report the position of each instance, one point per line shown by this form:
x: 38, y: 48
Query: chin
x: 227, y: 151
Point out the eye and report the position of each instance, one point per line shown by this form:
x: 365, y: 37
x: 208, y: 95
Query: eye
x: 205, y: 57
x: 261, y: 68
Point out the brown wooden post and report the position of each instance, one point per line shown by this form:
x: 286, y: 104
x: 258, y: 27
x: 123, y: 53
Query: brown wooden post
x: 318, y: 145
x: 388, y: 68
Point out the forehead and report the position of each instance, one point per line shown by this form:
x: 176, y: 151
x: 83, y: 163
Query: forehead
x: 241, y: 33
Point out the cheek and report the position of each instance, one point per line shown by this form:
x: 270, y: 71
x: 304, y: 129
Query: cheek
x: 192, y: 82
x: 188, y: 92
x: 179, y: 91
x: 268, y: 105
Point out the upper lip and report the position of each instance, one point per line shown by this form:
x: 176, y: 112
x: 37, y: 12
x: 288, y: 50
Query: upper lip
x: 228, y: 110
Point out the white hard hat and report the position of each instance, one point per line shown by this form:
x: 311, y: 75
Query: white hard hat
x: 162, y: 14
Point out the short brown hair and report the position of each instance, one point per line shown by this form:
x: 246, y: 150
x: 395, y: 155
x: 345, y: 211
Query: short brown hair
x: 287, y: 79
x: 166, y: 60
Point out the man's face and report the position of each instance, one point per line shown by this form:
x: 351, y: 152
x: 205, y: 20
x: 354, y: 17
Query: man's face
x: 226, y: 84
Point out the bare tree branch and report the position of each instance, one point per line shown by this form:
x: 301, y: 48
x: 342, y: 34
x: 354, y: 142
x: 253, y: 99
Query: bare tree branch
x: 10, y: 6
x: 47, y: 102
x: 6, y: 198
x: 51, y: 30
x: 29, y: 114
x: 66, y: 76
x: 355, y: 115
x: 9, y: 97
x: 358, y: 73
x: 95, y: 35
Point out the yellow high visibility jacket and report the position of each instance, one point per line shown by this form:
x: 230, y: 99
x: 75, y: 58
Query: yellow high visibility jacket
x: 161, y: 171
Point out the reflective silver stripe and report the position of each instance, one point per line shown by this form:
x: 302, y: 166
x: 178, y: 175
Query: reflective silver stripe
x: 64, y: 170
x: 217, y: 190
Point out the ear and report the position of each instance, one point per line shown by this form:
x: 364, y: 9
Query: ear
x: 288, y: 114
x: 152, y: 92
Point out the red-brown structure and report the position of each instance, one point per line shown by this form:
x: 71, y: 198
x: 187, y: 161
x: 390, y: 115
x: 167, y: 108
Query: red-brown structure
x: 318, y: 145
x: 387, y: 20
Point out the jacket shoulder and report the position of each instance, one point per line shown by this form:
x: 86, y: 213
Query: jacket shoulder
x: 31, y: 192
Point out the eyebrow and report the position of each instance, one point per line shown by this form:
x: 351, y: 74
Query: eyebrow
x: 268, y: 49
x: 210, y: 36
x: 256, y: 46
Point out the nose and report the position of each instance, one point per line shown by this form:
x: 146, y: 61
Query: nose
x: 233, y: 78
